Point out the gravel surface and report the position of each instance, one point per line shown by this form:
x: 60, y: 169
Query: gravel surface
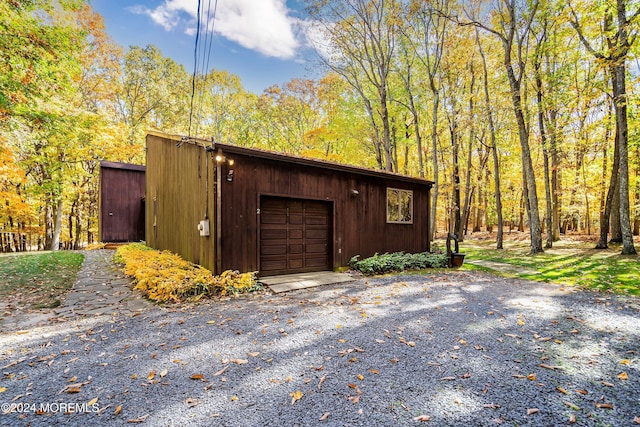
x: 457, y: 348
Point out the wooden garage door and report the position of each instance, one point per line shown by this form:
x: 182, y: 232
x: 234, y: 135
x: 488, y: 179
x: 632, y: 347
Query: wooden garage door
x: 294, y: 236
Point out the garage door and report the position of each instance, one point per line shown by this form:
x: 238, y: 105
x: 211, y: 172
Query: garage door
x: 294, y: 236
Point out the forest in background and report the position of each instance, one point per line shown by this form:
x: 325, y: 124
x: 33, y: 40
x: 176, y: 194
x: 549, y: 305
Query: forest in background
x: 523, y: 112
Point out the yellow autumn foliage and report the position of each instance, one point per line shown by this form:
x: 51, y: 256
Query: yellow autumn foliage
x: 165, y: 277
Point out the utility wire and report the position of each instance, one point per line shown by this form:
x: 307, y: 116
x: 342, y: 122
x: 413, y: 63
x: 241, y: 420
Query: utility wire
x: 195, y: 70
x: 206, y: 53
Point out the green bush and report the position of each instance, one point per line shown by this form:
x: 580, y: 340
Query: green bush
x: 397, y: 261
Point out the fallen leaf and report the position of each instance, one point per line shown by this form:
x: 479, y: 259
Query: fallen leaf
x: 583, y: 392
x: 163, y: 373
x: 354, y: 399
x: 553, y: 368
x: 572, y: 406
x: 532, y: 411
x: 636, y: 420
x: 92, y: 402
x: 465, y: 376
x: 325, y: 416
x: 239, y: 361
x: 73, y: 379
x: 380, y: 341
x: 604, y: 405
x: 73, y: 390
x: 607, y: 384
x: 422, y: 418
x: 531, y: 377
x: 133, y: 377
x: 3, y: 389
x: 220, y: 372
x: 351, y: 385
x: 211, y: 322
x: 572, y: 419
x: 118, y: 410
x: 295, y: 396
x: 625, y: 362
x: 374, y: 371
x: 561, y: 390
x: 234, y: 398
x: 360, y: 377
x: 151, y: 375
x: 491, y: 406
x: 197, y: 377
x: 323, y: 379
x: 253, y: 354
x: 447, y: 379
x: 623, y: 376
x: 139, y: 419
x: 518, y: 376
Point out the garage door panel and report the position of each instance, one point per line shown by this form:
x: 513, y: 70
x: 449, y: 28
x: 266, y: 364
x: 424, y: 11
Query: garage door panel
x: 295, y: 264
x: 273, y: 249
x: 317, y: 262
x: 296, y: 233
x: 316, y: 249
x: 273, y: 234
x: 315, y: 220
x: 273, y: 264
x: 296, y: 249
x: 320, y: 233
x: 295, y: 219
x: 273, y: 218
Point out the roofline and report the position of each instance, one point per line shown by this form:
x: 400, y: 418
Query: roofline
x: 125, y: 166
x: 271, y: 155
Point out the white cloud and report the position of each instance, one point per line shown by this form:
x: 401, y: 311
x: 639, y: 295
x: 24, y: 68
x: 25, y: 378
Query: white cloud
x: 261, y: 25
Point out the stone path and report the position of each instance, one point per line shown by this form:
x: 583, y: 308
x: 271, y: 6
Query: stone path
x: 101, y: 288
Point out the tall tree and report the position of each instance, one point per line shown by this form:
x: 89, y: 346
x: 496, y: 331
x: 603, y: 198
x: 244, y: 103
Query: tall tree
x: 619, y: 40
x: 514, y: 19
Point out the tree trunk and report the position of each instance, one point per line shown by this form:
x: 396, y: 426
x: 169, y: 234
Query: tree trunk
x: 434, y: 156
x: 620, y: 104
x: 608, y: 209
x: 493, y: 148
x: 55, y: 243
x: 545, y: 153
x: 535, y: 226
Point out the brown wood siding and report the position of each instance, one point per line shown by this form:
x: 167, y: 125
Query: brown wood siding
x: 176, y: 199
x: 122, y: 190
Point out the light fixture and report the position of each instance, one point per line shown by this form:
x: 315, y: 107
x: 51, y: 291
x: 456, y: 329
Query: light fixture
x: 230, y: 175
x: 354, y: 192
x: 219, y: 158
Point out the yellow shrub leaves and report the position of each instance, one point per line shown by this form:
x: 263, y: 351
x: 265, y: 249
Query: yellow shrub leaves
x: 166, y: 277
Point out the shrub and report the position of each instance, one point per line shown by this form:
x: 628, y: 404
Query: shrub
x: 165, y: 277
x: 397, y: 261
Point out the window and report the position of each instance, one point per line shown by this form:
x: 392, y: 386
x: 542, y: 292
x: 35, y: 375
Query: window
x: 399, y: 206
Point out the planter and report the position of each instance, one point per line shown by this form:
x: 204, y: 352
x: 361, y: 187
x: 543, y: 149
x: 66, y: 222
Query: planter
x: 456, y: 259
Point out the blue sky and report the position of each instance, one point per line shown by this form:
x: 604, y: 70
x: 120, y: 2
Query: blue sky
x: 261, y: 41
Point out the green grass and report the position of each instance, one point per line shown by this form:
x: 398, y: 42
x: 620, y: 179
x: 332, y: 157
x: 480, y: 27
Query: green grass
x: 38, y: 279
x: 567, y: 263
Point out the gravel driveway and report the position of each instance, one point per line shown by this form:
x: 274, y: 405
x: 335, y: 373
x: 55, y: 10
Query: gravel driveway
x: 454, y: 348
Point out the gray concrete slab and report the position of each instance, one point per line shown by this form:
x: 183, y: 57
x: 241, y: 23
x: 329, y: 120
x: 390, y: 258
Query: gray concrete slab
x: 291, y: 282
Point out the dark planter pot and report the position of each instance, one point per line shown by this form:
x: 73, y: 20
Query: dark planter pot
x: 456, y: 259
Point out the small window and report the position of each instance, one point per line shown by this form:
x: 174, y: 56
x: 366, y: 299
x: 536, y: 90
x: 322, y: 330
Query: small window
x: 399, y: 206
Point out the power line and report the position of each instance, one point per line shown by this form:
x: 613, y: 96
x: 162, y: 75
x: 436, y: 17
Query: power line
x: 195, y: 70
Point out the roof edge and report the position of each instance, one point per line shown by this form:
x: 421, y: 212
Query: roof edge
x: 282, y: 157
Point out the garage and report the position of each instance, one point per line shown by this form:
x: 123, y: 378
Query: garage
x: 294, y: 235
